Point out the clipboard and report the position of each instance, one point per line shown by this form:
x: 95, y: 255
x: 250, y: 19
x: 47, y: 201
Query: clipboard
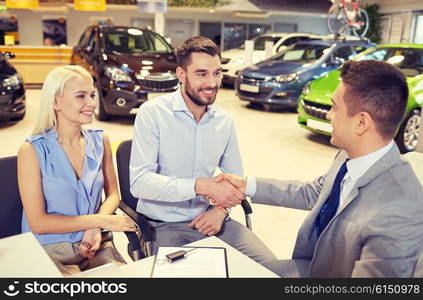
x: 201, y: 262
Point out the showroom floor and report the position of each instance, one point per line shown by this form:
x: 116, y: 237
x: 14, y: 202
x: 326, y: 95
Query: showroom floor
x: 272, y: 145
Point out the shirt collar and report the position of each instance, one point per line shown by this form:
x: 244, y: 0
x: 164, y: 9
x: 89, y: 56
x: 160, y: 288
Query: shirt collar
x: 89, y: 147
x: 358, y: 166
x: 180, y: 105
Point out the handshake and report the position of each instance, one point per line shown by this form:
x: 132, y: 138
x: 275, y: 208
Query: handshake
x: 225, y: 190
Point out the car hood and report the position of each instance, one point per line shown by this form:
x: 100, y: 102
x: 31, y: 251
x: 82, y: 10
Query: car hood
x: 136, y: 62
x: 6, y: 69
x: 321, y: 89
x: 274, y: 68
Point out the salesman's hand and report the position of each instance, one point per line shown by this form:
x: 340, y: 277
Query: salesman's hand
x: 221, y: 192
x: 90, y: 243
x: 210, y: 222
x: 240, y: 183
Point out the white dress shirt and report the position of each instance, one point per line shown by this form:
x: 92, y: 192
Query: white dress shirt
x: 357, y: 167
x: 170, y: 149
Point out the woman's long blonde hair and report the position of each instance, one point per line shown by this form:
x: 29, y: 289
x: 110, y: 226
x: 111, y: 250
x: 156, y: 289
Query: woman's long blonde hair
x: 52, y: 88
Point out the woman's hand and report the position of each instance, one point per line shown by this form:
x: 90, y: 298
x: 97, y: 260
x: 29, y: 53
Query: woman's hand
x: 117, y: 223
x: 90, y: 242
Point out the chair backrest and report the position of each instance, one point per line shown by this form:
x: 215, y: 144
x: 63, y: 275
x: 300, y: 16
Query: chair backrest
x: 123, y: 155
x: 11, y: 205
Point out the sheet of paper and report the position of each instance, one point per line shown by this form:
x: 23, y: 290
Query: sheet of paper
x: 203, y: 262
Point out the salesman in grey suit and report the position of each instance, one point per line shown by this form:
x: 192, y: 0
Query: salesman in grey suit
x: 366, y: 213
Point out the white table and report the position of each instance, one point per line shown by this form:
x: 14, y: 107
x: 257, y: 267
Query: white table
x: 239, y: 265
x: 22, y: 256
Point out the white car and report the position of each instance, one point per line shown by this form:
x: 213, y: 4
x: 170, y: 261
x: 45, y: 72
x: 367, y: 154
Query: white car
x: 233, y: 60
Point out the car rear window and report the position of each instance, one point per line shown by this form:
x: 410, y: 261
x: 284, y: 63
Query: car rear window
x: 142, y: 42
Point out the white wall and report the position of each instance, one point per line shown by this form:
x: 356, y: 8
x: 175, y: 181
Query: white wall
x: 30, y: 22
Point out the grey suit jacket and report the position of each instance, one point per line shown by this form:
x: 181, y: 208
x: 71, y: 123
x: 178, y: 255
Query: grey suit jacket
x: 378, y: 231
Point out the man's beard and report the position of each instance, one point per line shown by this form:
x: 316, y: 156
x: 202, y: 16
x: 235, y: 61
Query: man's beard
x: 195, y: 98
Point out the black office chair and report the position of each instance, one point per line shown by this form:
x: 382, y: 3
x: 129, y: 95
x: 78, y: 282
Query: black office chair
x: 11, y: 204
x: 128, y: 203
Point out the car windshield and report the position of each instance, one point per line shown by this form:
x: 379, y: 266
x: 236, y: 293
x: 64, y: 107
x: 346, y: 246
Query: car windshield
x: 134, y: 41
x: 410, y: 61
x: 260, y: 42
x: 301, y: 53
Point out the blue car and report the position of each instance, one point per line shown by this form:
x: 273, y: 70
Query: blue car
x: 279, y: 80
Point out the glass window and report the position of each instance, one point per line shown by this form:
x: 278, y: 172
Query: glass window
x: 343, y: 52
x: 301, y: 53
x: 359, y: 49
x: 85, y: 37
x: 260, y: 42
x: 256, y: 29
x: 54, y: 32
x: 234, y: 35
x: 290, y: 41
x: 137, y: 41
x: 410, y: 61
x: 418, y: 31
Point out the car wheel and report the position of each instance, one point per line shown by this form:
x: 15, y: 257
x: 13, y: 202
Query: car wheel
x: 99, y: 111
x: 408, y: 134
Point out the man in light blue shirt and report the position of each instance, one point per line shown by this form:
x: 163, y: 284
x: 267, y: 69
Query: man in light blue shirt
x: 179, y: 141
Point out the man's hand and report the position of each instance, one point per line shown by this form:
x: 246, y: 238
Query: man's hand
x: 90, y: 243
x: 221, y: 192
x: 210, y: 222
x: 240, y: 183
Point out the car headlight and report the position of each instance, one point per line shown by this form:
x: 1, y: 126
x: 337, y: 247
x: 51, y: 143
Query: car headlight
x: 306, y: 88
x: 12, y: 81
x: 286, y: 77
x: 117, y: 74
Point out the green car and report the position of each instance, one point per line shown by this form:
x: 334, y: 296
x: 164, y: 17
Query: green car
x: 315, y: 100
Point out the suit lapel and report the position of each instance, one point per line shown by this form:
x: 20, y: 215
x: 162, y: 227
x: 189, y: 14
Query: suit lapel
x: 309, y: 223
x: 382, y: 165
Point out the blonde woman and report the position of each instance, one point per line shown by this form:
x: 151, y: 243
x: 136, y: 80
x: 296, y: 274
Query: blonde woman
x: 63, y: 170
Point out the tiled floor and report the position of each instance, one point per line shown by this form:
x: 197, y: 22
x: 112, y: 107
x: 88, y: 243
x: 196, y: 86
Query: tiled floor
x: 272, y: 145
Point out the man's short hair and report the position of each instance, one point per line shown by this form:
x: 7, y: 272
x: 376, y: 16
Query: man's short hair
x: 378, y: 88
x: 195, y: 44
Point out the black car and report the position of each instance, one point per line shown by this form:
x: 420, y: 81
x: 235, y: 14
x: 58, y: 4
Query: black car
x: 130, y: 65
x: 12, y: 90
